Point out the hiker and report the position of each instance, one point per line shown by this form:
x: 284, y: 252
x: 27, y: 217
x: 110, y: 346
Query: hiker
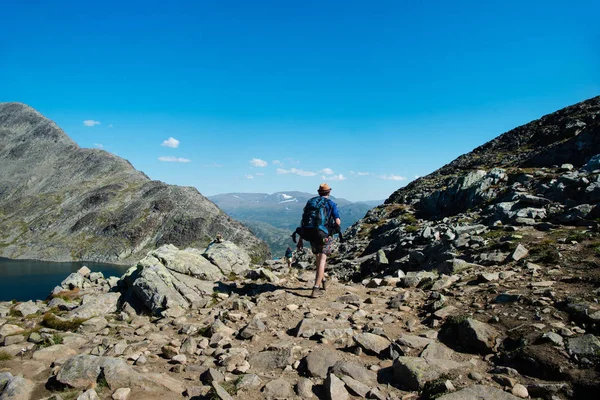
x: 289, y: 253
x: 320, y: 220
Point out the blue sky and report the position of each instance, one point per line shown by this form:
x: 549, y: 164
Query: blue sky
x: 265, y: 96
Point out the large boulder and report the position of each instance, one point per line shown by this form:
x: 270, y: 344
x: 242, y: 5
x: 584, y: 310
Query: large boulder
x: 97, y: 304
x: 81, y: 371
x: 17, y: 388
x: 169, y: 281
x: 228, y: 257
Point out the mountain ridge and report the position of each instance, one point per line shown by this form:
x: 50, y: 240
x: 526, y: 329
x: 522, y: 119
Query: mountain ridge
x: 60, y: 202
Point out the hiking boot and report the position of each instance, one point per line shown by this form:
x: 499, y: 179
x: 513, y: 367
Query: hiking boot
x: 324, y: 284
x: 316, y: 292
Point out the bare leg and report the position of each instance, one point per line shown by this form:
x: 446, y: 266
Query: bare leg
x: 321, y: 260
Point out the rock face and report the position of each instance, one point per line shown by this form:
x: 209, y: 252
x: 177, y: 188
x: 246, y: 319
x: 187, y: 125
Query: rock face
x: 61, y: 202
x: 173, y: 280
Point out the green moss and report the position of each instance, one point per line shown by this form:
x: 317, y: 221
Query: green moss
x: 408, y: 219
x: 411, y: 228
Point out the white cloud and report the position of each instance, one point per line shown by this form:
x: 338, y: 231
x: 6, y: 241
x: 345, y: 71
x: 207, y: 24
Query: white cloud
x: 277, y: 162
x: 393, y: 177
x: 174, y: 159
x: 295, y: 171
x: 358, y: 173
x: 259, y: 174
x: 110, y: 125
x: 257, y: 162
x: 249, y: 177
x: 327, y: 171
x: 171, y: 142
x: 338, y: 177
x: 91, y: 122
x: 99, y: 145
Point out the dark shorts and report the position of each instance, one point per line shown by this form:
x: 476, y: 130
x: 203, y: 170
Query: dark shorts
x: 321, y: 246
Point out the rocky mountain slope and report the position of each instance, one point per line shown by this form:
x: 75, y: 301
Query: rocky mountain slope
x: 61, y: 202
x: 494, y: 297
x: 273, y: 217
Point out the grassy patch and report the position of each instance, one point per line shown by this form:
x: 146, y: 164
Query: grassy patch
x: 53, y: 322
x: 408, y: 219
x: 411, y: 228
x: 67, y: 295
x: 545, y: 252
x: 4, y: 356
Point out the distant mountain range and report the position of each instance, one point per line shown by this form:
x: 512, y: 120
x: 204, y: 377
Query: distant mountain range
x: 273, y: 217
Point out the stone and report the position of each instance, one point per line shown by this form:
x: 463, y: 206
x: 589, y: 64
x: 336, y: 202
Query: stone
x: 5, y: 377
x: 520, y: 391
x: 304, y: 388
x: 82, y: 370
x: 89, y: 395
x: 95, y: 324
x: 414, y: 372
x: 372, y: 343
x: 355, y: 371
x: 14, y: 339
x: 249, y: 381
x: 319, y: 361
x: 121, y: 394
x: 84, y: 271
x: 254, y: 327
x: 9, y: 329
x: 444, y: 282
x: 220, y: 392
x: 52, y: 353
x: 212, y: 375
x: 519, y: 253
x: 554, y: 338
x: 587, y: 346
x: 335, y: 389
x: 73, y: 281
x: 228, y: 257
x: 96, y: 305
x: 96, y: 276
x: 479, y: 392
x: 17, y: 388
x: 356, y: 387
x: 309, y: 327
x: 26, y: 308
x: 271, y: 359
x: 278, y: 389
x: 477, y: 336
x: 435, y: 350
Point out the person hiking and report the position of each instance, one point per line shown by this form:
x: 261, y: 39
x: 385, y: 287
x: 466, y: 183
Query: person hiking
x: 317, y: 226
x: 289, y: 253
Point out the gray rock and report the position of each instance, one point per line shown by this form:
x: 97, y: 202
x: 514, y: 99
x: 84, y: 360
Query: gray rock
x: 95, y: 305
x: 249, y: 381
x: 304, y: 388
x: 26, y: 308
x: 89, y: 395
x: 477, y: 336
x: 271, y: 359
x: 18, y: 388
x: 372, y: 343
x: 52, y: 353
x: 356, y: 387
x: 254, y: 327
x: 121, y: 394
x: 220, y: 392
x: 335, y: 389
x: 212, y: 375
x: 519, y: 253
x: 319, y: 361
x: 278, y: 389
x: 479, y: 392
x: 95, y: 324
x: 554, y: 338
x: 414, y: 372
x: 355, y: 371
x: 593, y: 164
x: 228, y: 257
x: 187, y: 262
x: 82, y: 370
x: 587, y: 346
x: 10, y: 329
x: 96, y: 276
x: 5, y: 377
x: 309, y: 327
x: 74, y: 280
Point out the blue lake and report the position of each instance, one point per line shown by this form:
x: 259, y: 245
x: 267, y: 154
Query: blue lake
x: 33, y: 280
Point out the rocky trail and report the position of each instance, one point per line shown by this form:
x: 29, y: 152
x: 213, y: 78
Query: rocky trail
x: 260, y: 335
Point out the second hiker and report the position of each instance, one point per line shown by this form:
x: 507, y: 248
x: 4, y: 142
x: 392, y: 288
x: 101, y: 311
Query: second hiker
x: 318, y: 219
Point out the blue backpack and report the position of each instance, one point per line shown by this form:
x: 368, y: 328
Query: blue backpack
x: 316, y: 215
